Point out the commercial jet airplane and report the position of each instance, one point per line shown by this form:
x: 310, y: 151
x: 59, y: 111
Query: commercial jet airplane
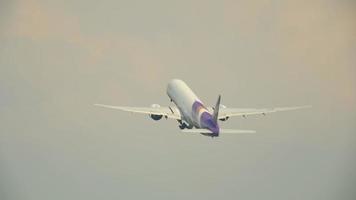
x: 192, y: 115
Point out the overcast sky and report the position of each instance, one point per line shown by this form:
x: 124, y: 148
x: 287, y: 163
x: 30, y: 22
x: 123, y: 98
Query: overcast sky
x: 57, y: 58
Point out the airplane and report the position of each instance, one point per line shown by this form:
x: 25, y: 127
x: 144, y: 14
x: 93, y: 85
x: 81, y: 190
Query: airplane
x: 192, y: 115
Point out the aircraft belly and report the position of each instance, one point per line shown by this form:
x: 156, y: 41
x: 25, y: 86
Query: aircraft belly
x: 184, y: 98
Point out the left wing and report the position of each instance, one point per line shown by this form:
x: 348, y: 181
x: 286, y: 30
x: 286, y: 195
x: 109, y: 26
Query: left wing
x: 231, y: 112
x: 169, y: 112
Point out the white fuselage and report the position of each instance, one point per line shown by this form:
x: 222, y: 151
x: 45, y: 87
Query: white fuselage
x: 191, y: 108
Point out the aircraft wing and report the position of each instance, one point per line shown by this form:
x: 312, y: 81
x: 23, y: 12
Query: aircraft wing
x: 169, y: 112
x: 231, y: 112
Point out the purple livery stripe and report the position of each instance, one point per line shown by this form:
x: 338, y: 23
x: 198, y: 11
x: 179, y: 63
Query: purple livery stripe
x: 201, y: 114
x: 197, y: 108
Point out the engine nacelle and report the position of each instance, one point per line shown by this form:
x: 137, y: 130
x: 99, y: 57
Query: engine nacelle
x: 156, y: 117
x: 226, y: 118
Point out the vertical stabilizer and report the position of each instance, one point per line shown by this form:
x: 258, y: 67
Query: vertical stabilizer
x: 216, y: 109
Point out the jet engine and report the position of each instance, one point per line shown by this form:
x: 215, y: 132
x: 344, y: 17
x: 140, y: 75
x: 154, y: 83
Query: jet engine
x: 156, y: 117
x: 226, y: 118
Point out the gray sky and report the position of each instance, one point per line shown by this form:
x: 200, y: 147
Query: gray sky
x: 57, y: 58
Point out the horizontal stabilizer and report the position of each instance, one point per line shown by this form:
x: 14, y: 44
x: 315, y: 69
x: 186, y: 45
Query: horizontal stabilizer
x: 196, y: 130
x: 221, y: 131
x: 236, y: 131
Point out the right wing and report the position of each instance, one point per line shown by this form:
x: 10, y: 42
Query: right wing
x: 231, y: 112
x: 169, y: 112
